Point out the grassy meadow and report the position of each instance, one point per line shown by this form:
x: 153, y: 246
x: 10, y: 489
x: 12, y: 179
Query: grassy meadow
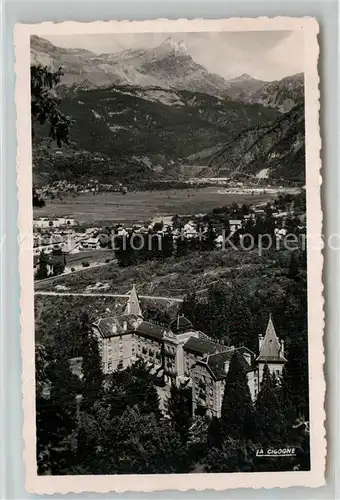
x: 140, y: 206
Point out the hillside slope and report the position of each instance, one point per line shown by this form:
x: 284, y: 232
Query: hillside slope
x: 282, y: 95
x: 277, y: 148
x: 160, y: 126
x: 243, y: 87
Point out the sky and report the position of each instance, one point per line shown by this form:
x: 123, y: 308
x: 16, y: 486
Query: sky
x: 266, y: 55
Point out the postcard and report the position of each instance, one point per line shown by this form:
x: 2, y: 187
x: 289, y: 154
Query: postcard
x: 170, y: 258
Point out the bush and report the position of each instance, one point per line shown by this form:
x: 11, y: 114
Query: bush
x: 86, y: 264
x: 72, y: 269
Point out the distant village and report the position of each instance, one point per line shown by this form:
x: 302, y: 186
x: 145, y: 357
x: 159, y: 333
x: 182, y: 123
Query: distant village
x: 66, y: 246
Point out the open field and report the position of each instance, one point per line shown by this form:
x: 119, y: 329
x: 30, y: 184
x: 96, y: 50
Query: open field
x: 139, y: 206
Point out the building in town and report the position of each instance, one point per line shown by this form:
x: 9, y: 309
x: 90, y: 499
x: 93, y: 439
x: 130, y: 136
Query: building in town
x: 182, y: 353
x: 47, y: 223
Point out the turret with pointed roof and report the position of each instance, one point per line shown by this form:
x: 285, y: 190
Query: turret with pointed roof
x: 133, y: 305
x: 180, y: 324
x: 270, y: 347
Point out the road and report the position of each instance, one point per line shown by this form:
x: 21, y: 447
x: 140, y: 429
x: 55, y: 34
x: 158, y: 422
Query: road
x: 125, y: 296
x: 59, y: 276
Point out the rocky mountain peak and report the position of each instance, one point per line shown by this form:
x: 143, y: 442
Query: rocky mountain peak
x: 173, y: 46
x: 242, y: 78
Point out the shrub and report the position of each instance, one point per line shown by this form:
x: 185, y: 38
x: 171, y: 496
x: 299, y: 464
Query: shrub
x: 86, y: 264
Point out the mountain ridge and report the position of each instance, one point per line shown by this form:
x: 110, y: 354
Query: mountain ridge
x: 277, y: 146
x: 169, y: 65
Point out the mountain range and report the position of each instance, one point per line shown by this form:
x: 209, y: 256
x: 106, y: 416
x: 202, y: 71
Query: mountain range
x: 169, y: 66
x: 158, y: 108
x: 275, y: 150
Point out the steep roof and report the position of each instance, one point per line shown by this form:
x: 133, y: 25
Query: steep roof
x: 113, y: 326
x: 271, y: 349
x: 133, y: 306
x: 201, y: 346
x: 179, y: 324
x: 216, y: 362
x: 150, y: 330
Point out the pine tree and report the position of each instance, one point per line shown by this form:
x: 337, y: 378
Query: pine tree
x: 287, y: 397
x: 294, y: 265
x: 189, y: 306
x: 181, y: 246
x: 269, y: 413
x: 92, y: 383
x: 167, y: 245
x: 237, y: 419
x: 210, y: 238
x: 214, y: 436
x: 180, y: 410
x: 150, y: 401
x: 296, y: 376
x: 57, y: 417
x: 42, y: 272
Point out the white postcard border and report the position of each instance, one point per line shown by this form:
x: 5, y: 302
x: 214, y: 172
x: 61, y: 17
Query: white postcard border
x: 180, y: 482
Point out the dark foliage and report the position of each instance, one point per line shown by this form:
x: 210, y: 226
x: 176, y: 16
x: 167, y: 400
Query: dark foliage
x: 45, y: 105
x: 237, y: 418
x: 180, y: 410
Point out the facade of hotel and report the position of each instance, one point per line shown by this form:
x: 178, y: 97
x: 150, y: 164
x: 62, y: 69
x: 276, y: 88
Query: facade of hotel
x: 182, y: 353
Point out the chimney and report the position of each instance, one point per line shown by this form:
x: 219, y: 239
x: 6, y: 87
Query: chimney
x: 124, y: 325
x: 260, y: 342
x: 114, y: 328
x: 226, y: 366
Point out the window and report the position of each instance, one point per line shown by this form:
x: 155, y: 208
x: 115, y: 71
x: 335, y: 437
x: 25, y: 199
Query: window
x: 109, y: 366
x: 277, y: 373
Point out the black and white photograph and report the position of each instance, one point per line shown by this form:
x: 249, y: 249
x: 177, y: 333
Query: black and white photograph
x: 169, y: 252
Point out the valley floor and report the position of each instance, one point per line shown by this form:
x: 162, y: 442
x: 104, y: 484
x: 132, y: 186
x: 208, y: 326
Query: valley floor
x: 139, y: 206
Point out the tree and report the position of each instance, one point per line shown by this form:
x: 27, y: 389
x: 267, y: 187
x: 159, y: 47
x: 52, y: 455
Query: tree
x: 92, y: 383
x: 235, y: 456
x: 140, y: 444
x: 180, y: 410
x: 58, y: 268
x: 56, y: 415
x: 270, y: 418
x: 189, y: 306
x: 155, y: 313
x: 42, y: 271
x: 237, y: 419
x: 181, y: 246
x: 214, y: 435
x: 133, y: 386
x: 294, y: 265
x: 44, y: 104
x: 210, y: 237
x: 296, y: 374
x: 37, y: 200
x: 167, y: 245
